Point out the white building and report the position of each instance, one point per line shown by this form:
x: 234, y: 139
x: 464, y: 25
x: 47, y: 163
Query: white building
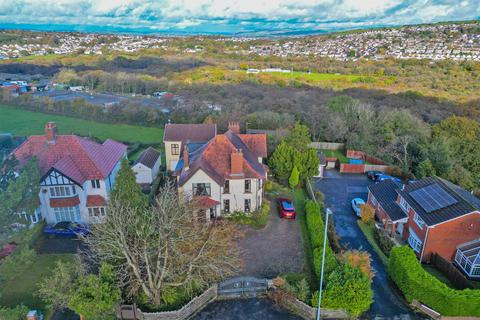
x: 147, y: 166
x: 77, y: 174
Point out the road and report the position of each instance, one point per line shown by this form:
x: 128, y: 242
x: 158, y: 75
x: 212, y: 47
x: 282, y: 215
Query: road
x: 339, y: 190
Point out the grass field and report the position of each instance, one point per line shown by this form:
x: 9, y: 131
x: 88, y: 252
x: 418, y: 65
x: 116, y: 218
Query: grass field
x: 336, y: 154
x: 23, y: 122
x: 22, y: 289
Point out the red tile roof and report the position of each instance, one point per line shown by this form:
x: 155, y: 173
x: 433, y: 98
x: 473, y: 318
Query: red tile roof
x: 64, y: 202
x: 257, y: 143
x: 214, y: 159
x: 78, y: 158
x: 204, y: 202
x: 96, y: 201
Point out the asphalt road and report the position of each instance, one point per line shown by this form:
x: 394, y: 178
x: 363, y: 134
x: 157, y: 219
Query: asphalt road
x: 339, y: 190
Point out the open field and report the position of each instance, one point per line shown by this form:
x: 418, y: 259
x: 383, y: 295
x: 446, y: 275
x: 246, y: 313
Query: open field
x: 23, y: 122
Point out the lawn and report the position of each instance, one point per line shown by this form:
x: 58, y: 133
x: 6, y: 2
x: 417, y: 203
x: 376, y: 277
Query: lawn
x: 368, y: 232
x: 336, y: 154
x: 23, y: 122
x: 22, y: 289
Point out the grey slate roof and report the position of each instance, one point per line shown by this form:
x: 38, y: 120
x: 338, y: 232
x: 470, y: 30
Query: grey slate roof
x: 148, y: 157
x: 189, y: 132
x: 385, y: 192
x: 467, y: 202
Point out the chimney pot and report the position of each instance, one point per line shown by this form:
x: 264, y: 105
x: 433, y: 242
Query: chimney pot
x: 234, y: 126
x: 51, y: 131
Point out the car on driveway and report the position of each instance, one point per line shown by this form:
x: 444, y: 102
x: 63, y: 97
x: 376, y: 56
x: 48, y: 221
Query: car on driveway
x: 66, y: 229
x: 356, y: 204
x: 386, y: 177
x: 373, y: 175
x: 286, y: 208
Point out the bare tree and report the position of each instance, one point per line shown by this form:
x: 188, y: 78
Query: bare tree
x: 164, y: 247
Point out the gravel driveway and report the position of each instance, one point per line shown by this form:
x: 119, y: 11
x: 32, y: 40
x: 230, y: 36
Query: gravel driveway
x: 273, y: 250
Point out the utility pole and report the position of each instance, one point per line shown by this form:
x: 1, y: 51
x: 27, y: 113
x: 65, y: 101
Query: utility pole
x: 327, y: 213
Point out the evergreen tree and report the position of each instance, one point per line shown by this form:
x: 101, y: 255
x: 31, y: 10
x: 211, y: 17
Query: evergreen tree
x: 126, y: 191
x: 294, y: 178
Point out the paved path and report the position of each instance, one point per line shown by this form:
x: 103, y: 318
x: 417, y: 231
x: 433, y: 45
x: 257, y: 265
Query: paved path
x: 275, y: 249
x: 339, y: 190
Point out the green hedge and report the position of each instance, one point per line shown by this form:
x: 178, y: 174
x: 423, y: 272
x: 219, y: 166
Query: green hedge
x: 417, y: 284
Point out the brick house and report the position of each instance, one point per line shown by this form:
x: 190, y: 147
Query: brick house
x: 225, y: 174
x: 441, y: 216
x: 77, y: 174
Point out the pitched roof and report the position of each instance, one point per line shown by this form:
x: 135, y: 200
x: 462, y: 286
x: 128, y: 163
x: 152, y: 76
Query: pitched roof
x: 96, y: 201
x: 256, y: 143
x: 204, y: 202
x: 465, y: 202
x: 78, y: 158
x: 189, y: 132
x: 148, y: 157
x: 385, y: 192
x: 214, y: 159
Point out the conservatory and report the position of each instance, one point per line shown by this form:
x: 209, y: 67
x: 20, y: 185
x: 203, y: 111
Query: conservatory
x: 467, y: 258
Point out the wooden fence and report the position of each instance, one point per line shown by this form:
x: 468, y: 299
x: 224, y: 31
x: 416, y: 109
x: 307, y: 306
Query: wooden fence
x: 361, y: 168
x: 454, y: 275
x: 327, y: 145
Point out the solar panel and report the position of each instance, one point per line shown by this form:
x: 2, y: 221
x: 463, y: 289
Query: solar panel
x: 432, y: 197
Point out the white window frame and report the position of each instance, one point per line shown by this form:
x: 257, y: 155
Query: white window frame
x: 96, y: 212
x: 414, y: 241
x: 404, y: 205
x: 418, y: 221
x: 62, y: 191
x: 67, y: 214
x: 95, y: 184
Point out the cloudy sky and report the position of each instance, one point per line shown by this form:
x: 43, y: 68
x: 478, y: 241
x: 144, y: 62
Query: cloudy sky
x: 228, y: 16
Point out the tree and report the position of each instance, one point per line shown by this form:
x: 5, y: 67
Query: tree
x: 7, y: 172
x: 425, y: 169
x: 299, y: 137
x: 367, y: 213
x: 127, y: 192
x: 163, y: 248
x: 294, y: 178
x: 96, y: 296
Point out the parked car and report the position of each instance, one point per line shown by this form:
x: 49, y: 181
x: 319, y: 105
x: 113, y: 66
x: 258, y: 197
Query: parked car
x: 7, y: 250
x: 286, y: 209
x: 372, y: 175
x: 386, y: 177
x: 66, y: 229
x: 356, y: 204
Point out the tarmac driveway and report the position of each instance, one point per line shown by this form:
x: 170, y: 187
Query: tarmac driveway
x: 275, y: 249
x: 339, y: 190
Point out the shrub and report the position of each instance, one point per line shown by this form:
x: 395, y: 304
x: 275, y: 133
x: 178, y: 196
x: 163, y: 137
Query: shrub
x: 17, y: 263
x: 17, y: 313
x: 297, y: 286
x: 367, y: 213
x: 383, y: 241
x: 360, y: 260
x: 417, y: 284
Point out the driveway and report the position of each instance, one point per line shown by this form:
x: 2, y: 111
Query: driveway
x: 275, y: 249
x: 339, y: 190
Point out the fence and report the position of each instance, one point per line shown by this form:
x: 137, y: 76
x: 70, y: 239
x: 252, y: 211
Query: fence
x: 327, y: 145
x: 129, y: 312
x: 454, y: 275
x: 361, y: 168
x: 355, y: 154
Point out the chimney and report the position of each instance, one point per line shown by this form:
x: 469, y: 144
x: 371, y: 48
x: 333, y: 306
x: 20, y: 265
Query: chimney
x: 51, y: 132
x: 236, y: 162
x: 186, y: 164
x: 234, y: 126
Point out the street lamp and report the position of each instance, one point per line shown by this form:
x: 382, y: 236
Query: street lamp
x: 328, y: 212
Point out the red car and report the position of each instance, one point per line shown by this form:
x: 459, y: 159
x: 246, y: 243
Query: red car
x: 7, y: 250
x: 286, y: 209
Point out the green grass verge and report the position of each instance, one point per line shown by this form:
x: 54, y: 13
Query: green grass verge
x: 368, y: 232
x: 336, y: 154
x: 22, y: 289
x: 23, y: 122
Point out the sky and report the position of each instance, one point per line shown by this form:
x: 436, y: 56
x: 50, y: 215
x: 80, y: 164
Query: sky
x: 229, y: 17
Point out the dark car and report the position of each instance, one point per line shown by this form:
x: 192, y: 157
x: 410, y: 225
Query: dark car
x: 66, y: 229
x: 373, y: 175
x: 286, y: 209
x: 386, y: 177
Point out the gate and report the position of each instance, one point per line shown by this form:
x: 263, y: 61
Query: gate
x: 242, y: 287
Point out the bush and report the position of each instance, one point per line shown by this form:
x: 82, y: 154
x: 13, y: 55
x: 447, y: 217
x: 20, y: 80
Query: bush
x: 17, y: 263
x: 257, y: 219
x: 367, y: 213
x: 17, y: 313
x: 417, y: 284
x: 298, y: 286
x: 383, y: 241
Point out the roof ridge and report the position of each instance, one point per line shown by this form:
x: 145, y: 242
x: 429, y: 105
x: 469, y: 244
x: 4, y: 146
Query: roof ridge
x: 79, y: 141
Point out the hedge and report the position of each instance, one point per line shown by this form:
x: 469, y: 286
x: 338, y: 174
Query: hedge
x: 417, y: 284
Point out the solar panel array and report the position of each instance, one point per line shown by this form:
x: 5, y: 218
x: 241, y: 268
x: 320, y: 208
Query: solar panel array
x: 432, y: 197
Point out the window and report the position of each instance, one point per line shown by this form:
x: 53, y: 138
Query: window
x: 248, y: 186
x: 95, y: 184
x: 201, y: 189
x: 67, y: 214
x: 420, y: 223
x: 226, y: 186
x: 414, y: 241
x: 475, y: 271
x: 175, y: 149
x: 404, y: 205
x: 226, y: 205
x: 374, y: 201
x: 96, y: 212
x: 62, y: 191
x: 247, y: 205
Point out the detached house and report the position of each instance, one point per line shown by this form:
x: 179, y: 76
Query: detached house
x: 433, y: 215
x: 77, y: 174
x: 225, y: 174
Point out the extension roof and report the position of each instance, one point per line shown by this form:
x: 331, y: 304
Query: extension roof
x: 148, y: 157
x: 385, y: 192
x: 78, y: 158
x: 214, y: 158
x: 465, y: 202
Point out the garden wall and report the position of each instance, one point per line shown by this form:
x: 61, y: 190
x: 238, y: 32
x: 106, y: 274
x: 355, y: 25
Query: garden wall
x: 362, y: 168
